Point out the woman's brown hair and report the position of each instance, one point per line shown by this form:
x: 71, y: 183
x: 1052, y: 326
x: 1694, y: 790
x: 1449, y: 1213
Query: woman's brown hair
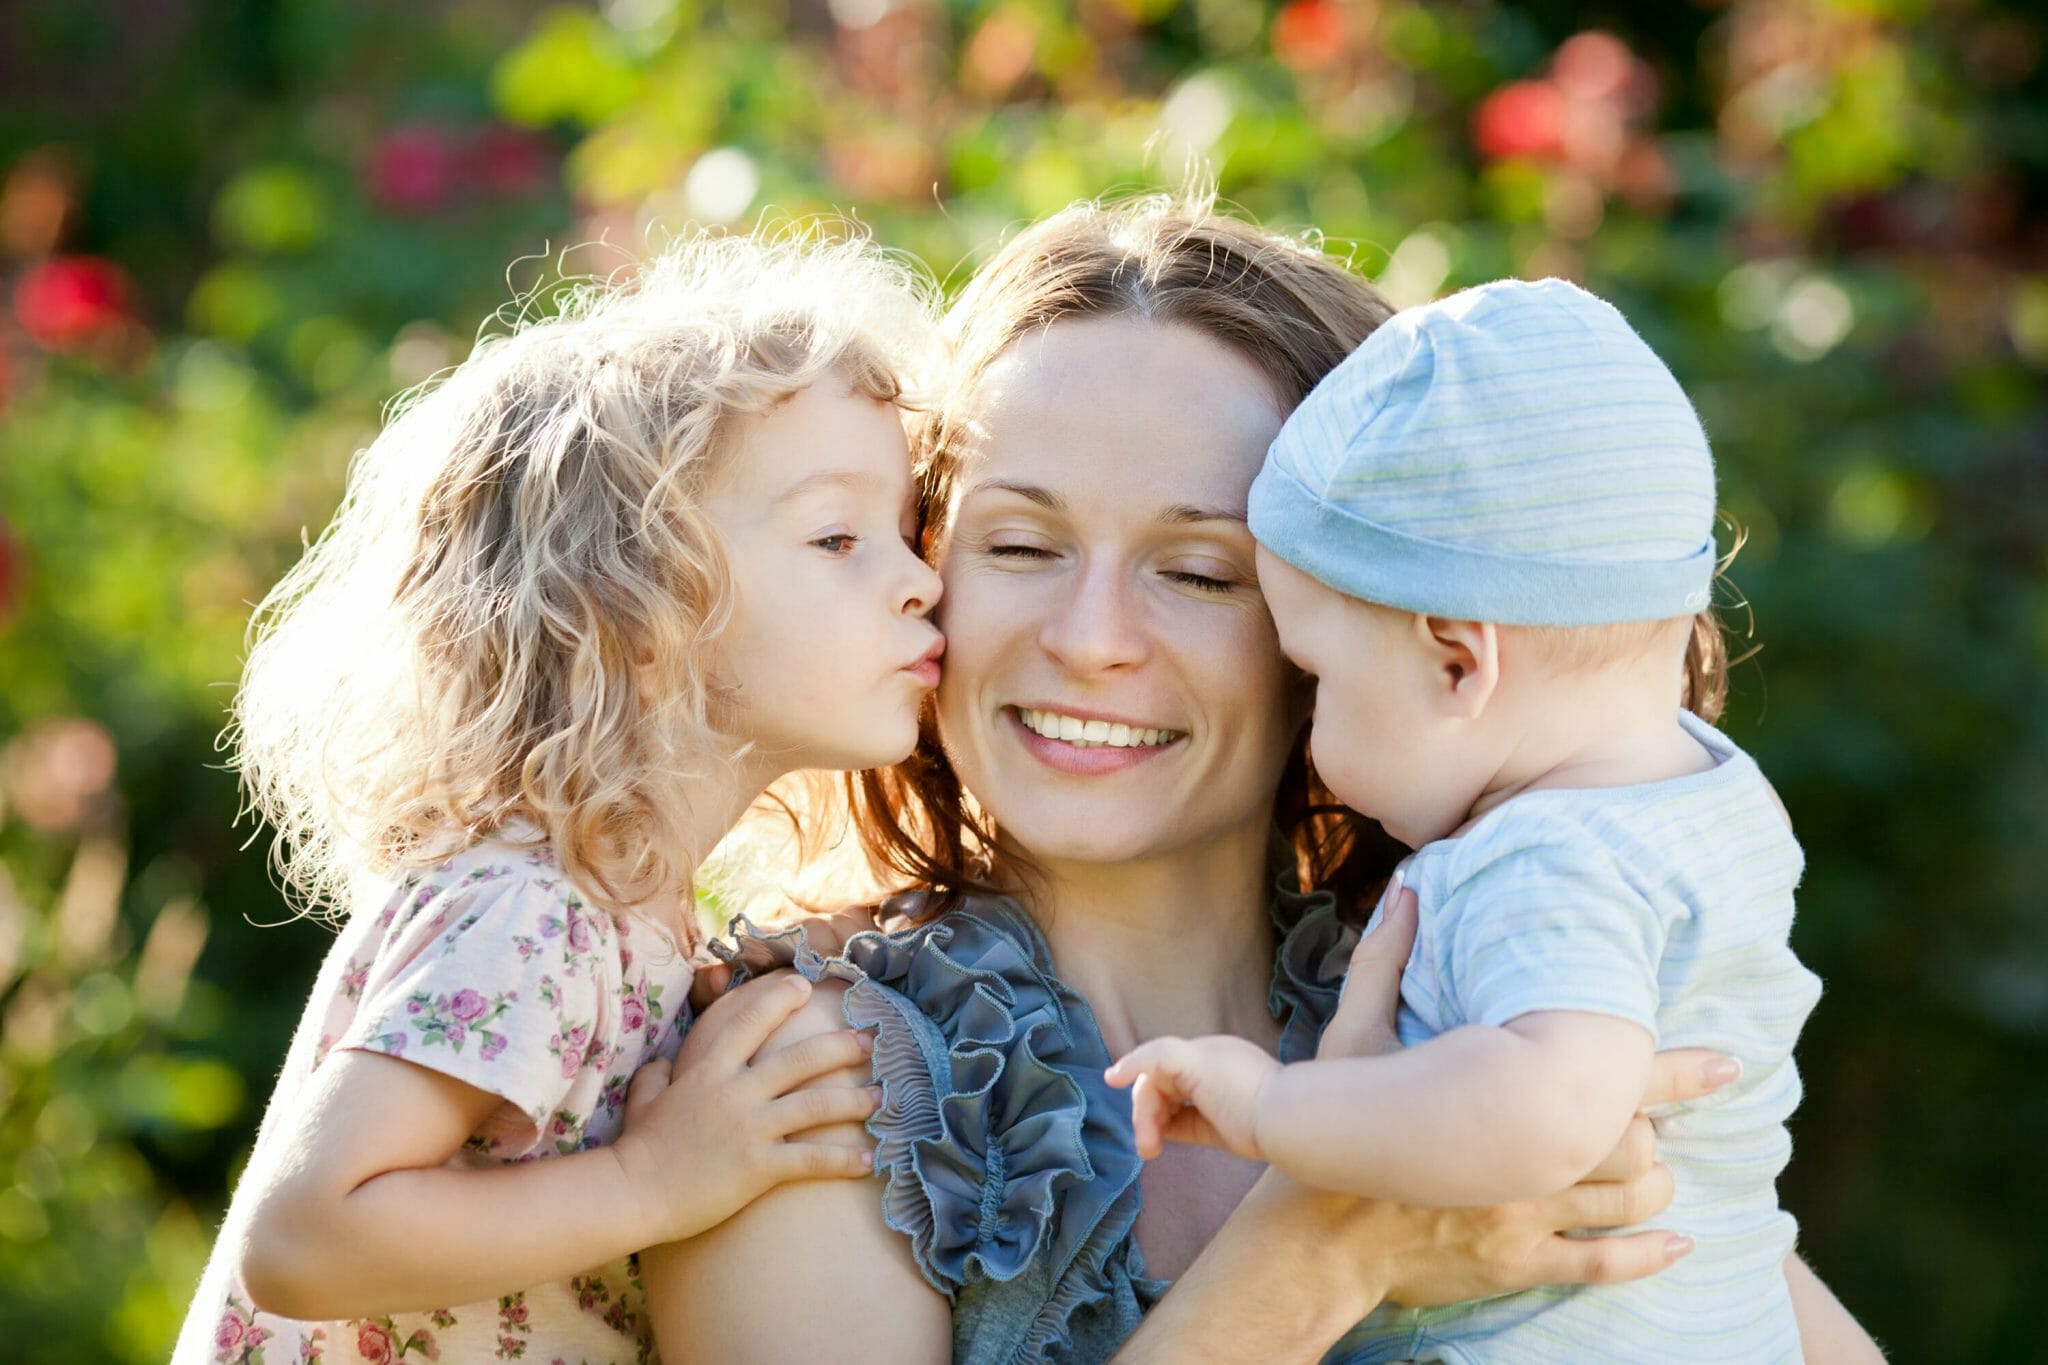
x: 1280, y: 302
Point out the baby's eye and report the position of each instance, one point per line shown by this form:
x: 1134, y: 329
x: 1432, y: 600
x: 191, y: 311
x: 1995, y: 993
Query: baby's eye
x: 838, y: 543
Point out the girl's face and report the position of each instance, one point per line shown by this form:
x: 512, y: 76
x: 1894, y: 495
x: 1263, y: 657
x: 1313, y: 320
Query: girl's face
x: 830, y: 651
x: 1113, y: 687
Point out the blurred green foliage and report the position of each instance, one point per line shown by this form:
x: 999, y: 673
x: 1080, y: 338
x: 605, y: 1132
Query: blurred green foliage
x: 230, y: 231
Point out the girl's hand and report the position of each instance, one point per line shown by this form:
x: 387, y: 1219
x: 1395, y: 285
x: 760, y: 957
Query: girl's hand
x: 1198, y: 1090
x: 706, y: 1137
x: 826, y: 933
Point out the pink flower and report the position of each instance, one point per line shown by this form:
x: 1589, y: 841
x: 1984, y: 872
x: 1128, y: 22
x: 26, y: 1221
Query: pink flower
x: 494, y: 1045
x: 633, y: 1013
x: 456, y: 1032
x: 468, y: 1006
x: 571, y: 1060
x: 579, y: 933
x: 228, y: 1336
x: 413, y: 169
x: 373, y: 1343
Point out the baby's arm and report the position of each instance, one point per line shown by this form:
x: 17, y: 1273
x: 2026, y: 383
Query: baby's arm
x: 357, y: 1211
x: 1476, y: 1116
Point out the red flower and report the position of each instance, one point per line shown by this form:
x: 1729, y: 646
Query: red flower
x: 1308, y: 34
x: 414, y: 168
x: 508, y: 162
x: 69, y: 301
x: 1525, y: 118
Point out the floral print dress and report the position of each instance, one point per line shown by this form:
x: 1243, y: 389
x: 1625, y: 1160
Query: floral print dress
x: 491, y: 969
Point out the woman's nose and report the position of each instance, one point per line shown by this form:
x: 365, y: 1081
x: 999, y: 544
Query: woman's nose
x: 1098, y: 626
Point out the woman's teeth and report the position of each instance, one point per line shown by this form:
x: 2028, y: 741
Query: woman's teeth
x: 1092, y: 734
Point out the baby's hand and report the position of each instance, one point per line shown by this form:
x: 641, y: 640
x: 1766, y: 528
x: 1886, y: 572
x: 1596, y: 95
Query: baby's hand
x: 706, y: 1137
x: 1201, y: 1090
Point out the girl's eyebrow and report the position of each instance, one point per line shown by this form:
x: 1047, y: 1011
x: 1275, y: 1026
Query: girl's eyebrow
x: 847, y: 478
x: 1179, y: 514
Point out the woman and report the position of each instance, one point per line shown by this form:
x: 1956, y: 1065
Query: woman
x: 1115, y: 741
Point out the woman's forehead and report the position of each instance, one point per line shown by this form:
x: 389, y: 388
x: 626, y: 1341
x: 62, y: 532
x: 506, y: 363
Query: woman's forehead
x: 1121, y: 403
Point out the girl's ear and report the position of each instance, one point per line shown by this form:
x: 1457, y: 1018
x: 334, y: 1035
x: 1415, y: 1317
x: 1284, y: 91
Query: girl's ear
x: 1466, y: 657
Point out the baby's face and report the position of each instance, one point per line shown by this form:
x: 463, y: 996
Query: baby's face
x: 1381, y: 738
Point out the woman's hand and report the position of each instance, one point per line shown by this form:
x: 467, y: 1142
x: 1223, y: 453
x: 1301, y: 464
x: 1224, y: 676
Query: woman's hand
x: 1459, y: 1254
x: 706, y: 1137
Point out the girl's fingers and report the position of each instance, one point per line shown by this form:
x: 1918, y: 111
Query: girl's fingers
x: 821, y: 1107
x: 708, y: 984
x: 737, y: 1027
x: 784, y: 1069
x: 1605, y: 1260
x: 818, y: 1161
x: 648, y: 1082
x: 1611, y: 1203
x: 1687, y: 1074
x: 1635, y: 1154
x: 1364, y: 1024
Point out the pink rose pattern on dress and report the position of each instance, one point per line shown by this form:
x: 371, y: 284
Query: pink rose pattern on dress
x: 543, y: 989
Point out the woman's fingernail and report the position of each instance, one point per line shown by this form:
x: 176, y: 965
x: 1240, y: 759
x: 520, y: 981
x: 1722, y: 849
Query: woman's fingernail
x: 866, y: 1040
x: 1676, y: 1246
x: 875, y: 1094
x: 1721, y: 1071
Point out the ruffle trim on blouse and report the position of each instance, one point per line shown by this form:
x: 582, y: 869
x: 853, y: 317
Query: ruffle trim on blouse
x: 1308, y: 967
x: 996, y: 1129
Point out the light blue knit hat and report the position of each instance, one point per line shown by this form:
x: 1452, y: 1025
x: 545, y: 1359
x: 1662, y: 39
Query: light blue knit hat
x: 1514, y: 453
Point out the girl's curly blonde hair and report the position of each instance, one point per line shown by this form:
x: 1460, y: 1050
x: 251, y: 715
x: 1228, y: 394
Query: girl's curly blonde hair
x: 460, y: 653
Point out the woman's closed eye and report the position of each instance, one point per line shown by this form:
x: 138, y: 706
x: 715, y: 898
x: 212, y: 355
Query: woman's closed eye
x: 1013, y: 550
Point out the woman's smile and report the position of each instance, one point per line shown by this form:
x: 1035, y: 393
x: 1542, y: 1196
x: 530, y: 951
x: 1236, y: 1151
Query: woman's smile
x: 1084, y: 746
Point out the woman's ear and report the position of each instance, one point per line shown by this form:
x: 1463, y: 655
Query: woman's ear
x: 1466, y: 656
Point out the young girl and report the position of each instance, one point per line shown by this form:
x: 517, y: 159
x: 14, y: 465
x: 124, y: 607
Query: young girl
x: 584, y: 601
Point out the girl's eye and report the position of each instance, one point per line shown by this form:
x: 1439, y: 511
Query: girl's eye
x: 836, y: 544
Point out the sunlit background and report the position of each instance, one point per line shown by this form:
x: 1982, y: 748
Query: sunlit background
x: 230, y: 231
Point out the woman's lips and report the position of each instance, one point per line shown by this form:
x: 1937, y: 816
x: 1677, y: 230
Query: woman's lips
x: 1066, y: 758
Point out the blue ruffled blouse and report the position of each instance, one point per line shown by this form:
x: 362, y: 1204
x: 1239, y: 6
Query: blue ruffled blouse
x: 1009, y: 1162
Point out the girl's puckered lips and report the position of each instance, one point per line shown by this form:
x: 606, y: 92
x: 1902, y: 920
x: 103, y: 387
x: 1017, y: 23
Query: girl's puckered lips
x: 926, y: 667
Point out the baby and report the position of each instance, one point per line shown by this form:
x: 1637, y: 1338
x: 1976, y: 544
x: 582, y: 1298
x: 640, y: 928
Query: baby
x: 1488, y: 534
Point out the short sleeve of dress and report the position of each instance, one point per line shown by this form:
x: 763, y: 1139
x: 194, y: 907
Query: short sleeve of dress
x: 1545, y: 920
x: 1008, y: 1161
x: 491, y: 970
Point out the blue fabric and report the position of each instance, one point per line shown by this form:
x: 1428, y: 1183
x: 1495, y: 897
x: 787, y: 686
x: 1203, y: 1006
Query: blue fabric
x: 1008, y: 1160
x: 1514, y: 453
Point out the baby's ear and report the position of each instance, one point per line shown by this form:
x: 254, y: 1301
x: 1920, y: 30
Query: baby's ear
x: 1466, y: 657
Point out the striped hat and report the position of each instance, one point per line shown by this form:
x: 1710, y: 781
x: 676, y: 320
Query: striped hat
x: 1514, y: 453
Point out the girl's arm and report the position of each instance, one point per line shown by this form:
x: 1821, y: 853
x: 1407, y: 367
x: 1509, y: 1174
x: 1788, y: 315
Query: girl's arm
x: 807, y: 1271
x: 357, y: 1212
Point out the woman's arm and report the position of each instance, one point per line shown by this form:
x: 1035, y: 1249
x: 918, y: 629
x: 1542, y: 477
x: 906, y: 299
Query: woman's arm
x: 1827, y: 1333
x: 806, y: 1272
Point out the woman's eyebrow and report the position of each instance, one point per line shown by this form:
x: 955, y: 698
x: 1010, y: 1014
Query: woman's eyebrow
x: 1181, y: 513
x: 1031, y: 492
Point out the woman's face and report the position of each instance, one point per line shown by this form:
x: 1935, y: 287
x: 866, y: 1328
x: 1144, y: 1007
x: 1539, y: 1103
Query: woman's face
x: 1113, y: 687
